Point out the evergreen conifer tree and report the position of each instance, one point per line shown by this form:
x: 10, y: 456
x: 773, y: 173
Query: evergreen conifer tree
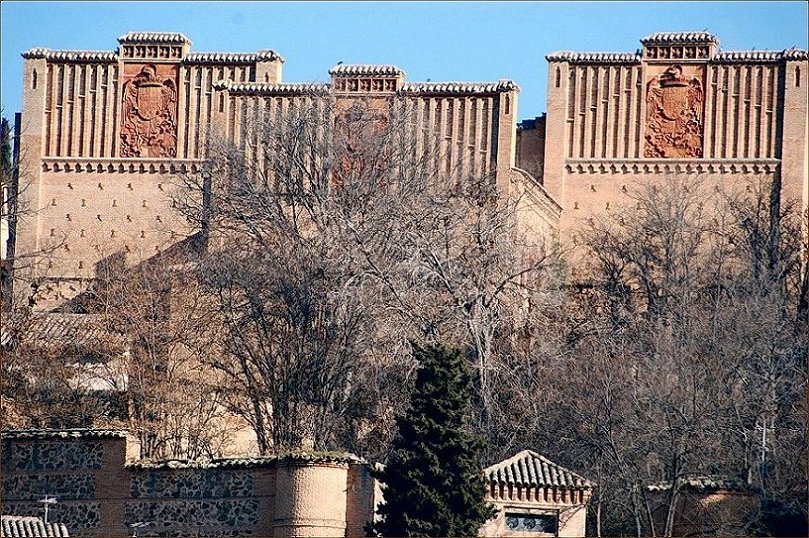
x: 433, y: 484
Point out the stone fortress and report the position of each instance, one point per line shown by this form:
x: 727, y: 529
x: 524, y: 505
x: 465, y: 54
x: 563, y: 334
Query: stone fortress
x: 679, y: 106
x: 102, y: 132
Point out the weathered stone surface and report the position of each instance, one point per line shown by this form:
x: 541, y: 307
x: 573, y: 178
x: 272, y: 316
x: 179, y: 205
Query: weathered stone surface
x: 196, y: 513
x: 32, y: 487
x: 49, y: 456
x: 192, y: 483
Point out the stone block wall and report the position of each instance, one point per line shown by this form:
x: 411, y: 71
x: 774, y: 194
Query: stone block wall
x: 99, y: 494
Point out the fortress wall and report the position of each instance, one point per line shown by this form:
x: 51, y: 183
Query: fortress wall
x: 741, y: 111
x: 99, y: 495
x: 79, y: 473
x: 678, y: 108
x: 604, y: 104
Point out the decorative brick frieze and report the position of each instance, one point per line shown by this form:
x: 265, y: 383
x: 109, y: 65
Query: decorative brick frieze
x: 121, y: 166
x: 669, y: 166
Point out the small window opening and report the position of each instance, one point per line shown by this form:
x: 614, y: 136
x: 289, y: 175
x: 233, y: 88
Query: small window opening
x: 558, y: 76
x: 34, y: 80
x: 797, y: 77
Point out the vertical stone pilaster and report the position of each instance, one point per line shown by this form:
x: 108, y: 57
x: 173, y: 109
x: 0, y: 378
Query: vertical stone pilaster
x: 794, y: 138
x: 31, y: 138
x: 506, y: 137
x: 555, y: 125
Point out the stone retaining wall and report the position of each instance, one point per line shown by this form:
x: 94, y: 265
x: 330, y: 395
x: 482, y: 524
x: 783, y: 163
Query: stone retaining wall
x: 100, y: 495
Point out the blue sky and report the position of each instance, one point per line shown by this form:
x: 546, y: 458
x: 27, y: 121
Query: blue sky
x: 468, y: 41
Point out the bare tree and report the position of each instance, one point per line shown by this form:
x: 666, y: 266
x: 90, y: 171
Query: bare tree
x: 690, y: 348
x: 336, y: 237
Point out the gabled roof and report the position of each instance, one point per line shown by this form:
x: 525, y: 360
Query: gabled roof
x: 25, y: 526
x: 527, y: 468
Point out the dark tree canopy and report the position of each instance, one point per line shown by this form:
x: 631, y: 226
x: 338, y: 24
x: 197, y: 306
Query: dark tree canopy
x: 433, y: 482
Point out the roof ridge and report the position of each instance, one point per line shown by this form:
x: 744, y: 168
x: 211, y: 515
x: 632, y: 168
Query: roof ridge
x: 680, y: 37
x: 159, y: 37
x: 366, y: 69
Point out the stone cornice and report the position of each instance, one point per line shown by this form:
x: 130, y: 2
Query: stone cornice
x: 437, y: 88
x: 120, y: 166
x: 669, y: 166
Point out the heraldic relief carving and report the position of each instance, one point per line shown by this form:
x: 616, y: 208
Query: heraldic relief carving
x: 674, y: 115
x: 149, y: 115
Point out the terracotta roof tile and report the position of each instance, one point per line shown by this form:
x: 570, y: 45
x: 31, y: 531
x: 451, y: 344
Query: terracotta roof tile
x: 705, y: 483
x: 420, y: 88
x: 258, y: 87
x: 71, y: 55
x: 594, y: 57
x: 255, y: 461
x: 25, y: 526
x: 154, y: 37
x: 57, y: 329
x: 366, y: 69
x: 679, y: 37
x: 233, y: 57
x: 74, y: 433
x: 743, y: 56
x: 527, y: 468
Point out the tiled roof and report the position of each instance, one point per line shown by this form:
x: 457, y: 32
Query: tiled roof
x: 421, y: 88
x: 57, y: 329
x: 740, y: 56
x: 527, y: 468
x: 71, y: 55
x: 258, y: 87
x: 594, y: 57
x: 256, y: 461
x: 75, y: 433
x: 364, y: 69
x: 705, y: 483
x: 25, y: 526
x: 663, y: 38
x: 267, y: 55
x: 153, y: 37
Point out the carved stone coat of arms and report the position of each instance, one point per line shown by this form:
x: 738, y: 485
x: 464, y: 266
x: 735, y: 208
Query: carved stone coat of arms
x: 674, y: 124
x: 149, y: 123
